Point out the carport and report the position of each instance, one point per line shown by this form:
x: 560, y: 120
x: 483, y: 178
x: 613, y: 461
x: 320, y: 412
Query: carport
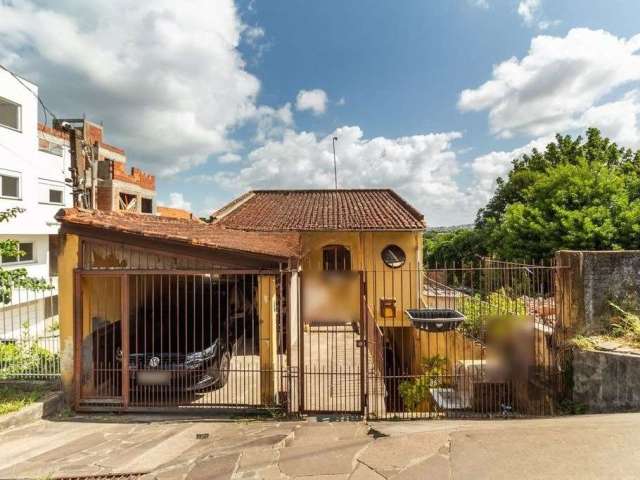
x: 170, y: 314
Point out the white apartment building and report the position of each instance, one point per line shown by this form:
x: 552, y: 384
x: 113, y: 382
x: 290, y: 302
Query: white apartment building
x: 34, y: 162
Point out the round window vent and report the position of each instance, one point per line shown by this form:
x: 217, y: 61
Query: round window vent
x: 393, y: 256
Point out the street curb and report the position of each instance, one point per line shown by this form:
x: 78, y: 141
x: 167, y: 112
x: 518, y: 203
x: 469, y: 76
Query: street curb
x: 49, y: 405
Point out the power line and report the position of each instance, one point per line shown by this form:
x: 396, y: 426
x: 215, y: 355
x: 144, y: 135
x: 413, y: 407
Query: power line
x: 44, y: 107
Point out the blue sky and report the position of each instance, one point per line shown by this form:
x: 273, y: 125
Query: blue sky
x: 213, y: 100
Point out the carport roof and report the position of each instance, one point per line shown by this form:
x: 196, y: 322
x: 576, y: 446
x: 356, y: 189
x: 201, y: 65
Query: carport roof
x: 320, y: 210
x: 186, y: 232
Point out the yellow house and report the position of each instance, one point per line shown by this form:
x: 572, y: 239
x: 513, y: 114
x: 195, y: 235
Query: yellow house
x: 271, y: 303
x: 373, y: 231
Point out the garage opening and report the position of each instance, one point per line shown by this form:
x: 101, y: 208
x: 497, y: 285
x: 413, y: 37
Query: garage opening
x: 187, y: 340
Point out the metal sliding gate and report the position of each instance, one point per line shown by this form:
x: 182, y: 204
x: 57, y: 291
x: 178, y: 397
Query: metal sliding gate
x: 170, y: 339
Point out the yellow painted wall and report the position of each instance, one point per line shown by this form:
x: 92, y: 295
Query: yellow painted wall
x: 67, y: 263
x: 268, y: 338
x: 402, y: 284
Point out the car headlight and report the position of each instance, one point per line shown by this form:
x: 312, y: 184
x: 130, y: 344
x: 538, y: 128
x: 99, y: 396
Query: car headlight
x: 195, y: 359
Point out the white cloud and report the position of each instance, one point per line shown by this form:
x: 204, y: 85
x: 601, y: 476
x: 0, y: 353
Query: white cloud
x: 177, y: 200
x: 314, y: 100
x: 253, y: 34
x: 479, y: 3
x: 167, y: 81
x: 341, y: 102
x: 618, y: 120
x: 420, y: 167
x: 272, y: 122
x: 488, y: 167
x: 559, y: 80
x: 527, y: 9
x: 229, y: 157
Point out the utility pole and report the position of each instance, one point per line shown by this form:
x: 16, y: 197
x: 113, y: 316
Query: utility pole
x: 335, y: 168
x: 83, y: 167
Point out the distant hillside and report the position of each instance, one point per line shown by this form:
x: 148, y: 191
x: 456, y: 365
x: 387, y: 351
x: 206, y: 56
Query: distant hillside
x: 450, y: 228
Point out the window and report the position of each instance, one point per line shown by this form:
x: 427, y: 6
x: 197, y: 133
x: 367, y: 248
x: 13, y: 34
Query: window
x: 336, y: 258
x: 26, y: 254
x: 146, y: 205
x: 10, y: 186
x: 393, y: 256
x: 10, y: 113
x: 128, y: 202
x: 55, y: 196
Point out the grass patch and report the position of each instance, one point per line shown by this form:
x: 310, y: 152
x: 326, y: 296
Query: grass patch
x: 625, y: 325
x: 14, y: 397
x: 584, y: 343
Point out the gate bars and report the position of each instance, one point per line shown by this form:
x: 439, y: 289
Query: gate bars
x: 172, y: 339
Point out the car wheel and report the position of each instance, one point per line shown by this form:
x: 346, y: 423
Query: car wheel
x: 223, y: 370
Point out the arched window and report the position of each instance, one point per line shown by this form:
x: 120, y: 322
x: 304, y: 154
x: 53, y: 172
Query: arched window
x: 336, y: 258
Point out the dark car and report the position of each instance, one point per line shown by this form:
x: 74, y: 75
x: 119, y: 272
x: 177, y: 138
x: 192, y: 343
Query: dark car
x: 181, y: 343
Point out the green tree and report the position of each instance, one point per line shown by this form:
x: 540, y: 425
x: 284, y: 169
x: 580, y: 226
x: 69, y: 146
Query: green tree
x: 15, y: 278
x: 447, y: 248
x: 576, y: 194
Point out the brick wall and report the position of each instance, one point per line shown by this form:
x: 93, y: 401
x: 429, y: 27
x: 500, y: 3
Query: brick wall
x: 137, y: 176
x: 592, y: 280
x: 104, y: 198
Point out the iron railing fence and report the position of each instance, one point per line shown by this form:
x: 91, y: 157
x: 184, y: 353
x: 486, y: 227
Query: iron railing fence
x: 339, y: 343
x: 504, y: 356
x: 30, y: 334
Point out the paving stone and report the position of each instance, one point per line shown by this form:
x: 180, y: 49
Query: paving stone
x: 214, y: 468
x: 362, y: 472
x: 330, y: 458
x: 257, y: 458
x: 434, y: 468
x: 322, y: 477
x: 390, y: 455
x: 322, y: 433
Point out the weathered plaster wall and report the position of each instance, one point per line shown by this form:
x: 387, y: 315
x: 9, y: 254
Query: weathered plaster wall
x: 606, y: 381
x: 592, y: 280
x: 67, y: 262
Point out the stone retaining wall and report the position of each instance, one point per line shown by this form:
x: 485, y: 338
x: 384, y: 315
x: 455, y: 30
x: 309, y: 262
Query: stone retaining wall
x: 606, y: 381
x: 591, y: 281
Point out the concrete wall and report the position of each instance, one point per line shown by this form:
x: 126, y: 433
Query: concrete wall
x: 606, y: 381
x: 37, y: 170
x: 592, y: 280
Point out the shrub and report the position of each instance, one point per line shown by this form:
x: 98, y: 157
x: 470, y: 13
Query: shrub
x: 415, y: 391
x: 26, y: 357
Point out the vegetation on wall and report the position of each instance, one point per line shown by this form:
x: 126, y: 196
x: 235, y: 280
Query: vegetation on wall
x: 579, y: 193
x: 25, y: 355
x: 17, y: 277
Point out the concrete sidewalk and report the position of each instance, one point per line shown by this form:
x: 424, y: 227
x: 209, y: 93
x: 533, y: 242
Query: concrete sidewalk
x: 150, y: 447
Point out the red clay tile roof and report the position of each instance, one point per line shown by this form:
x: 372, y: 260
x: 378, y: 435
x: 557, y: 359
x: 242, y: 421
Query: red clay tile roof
x: 188, y: 232
x: 314, y: 210
x: 176, y: 213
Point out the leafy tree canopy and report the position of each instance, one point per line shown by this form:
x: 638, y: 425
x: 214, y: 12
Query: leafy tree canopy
x: 577, y: 194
